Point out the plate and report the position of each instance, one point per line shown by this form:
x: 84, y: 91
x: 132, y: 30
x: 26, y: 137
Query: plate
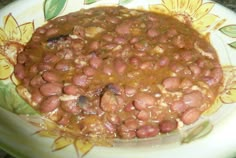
x: 17, y: 120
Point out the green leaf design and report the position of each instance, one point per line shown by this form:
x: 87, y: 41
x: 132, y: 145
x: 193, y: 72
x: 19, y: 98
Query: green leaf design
x: 89, y: 1
x: 123, y: 2
x: 197, y: 132
x: 229, y: 30
x: 11, y: 101
x: 52, y: 8
x: 233, y: 44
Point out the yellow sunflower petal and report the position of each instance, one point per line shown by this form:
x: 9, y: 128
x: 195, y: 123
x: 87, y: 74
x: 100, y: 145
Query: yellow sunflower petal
x: 203, y: 10
x: 6, y: 68
x: 193, y: 6
x: 182, y: 5
x: 204, y: 23
x: 159, y: 8
x: 11, y: 28
x: 27, y: 30
x: 170, y: 4
x: 3, y: 36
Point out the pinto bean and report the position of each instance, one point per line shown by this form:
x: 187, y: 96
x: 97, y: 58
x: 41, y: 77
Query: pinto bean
x: 114, y: 119
x: 147, y: 131
x: 94, y: 45
x: 143, y: 115
x: 80, y: 80
x: 179, y: 41
x: 71, y: 90
x: 89, y: 71
x: 146, y: 65
x: 186, y: 83
x: 44, y: 67
x: 131, y: 124
x: 71, y: 106
x: 130, y: 91
x: 52, y: 32
x: 62, y: 66
x: 143, y: 100
x: 49, y: 104
x: 120, y: 65
x: 21, y: 58
x: 171, y: 83
x: 19, y: 71
x: 95, y: 62
x: 36, y: 96
x: 134, y: 61
x: 176, y: 67
x: 190, y: 116
x: 51, y: 58
x: 152, y: 33
x: 129, y: 107
x: 125, y: 133
x: 164, y: 61
x: 37, y: 81
x: 178, y: 106
x: 113, y: 19
x: 123, y: 28
x: 50, y: 76
x: 167, y: 126
x: 120, y: 40
x: 50, y: 89
x: 193, y: 99
x: 107, y: 37
x: 107, y: 70
x: 187, y: 56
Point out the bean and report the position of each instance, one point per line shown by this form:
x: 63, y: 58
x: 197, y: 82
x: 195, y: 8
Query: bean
x: 19, y: 71
x: 94, y: 45
x: 152, y: 33
x: 62, y: 66
x: 52, y: 32
x: 134, y: 61
x: 167, y: 126
x: 50, y: 89
x: 71, y: 90
x: 164, y: 61
x: 71, y: 106
x: 172, y: 32
x: 69, y: 55
x: 187, y: 56
x: 120, y: 65
x: 171, y: 83
x: 123, y: 28
x: 37, y: 81
x: 143, y: 115
x: 146, y: 65
x: 36, y: 96
x: 129, y: 107
x: 33, y: 69
x: 89, y: 71
x: 134, y: 40
x: 95, y: 62
x: 107, y: 37
x: 176, y: 67
x: 51, y: 58
x: 178, y: 106
x: 107, y: 70
x: 79, y: 31
x: 130, y: 91
x: 193, y: 99
x: 109, y: 102
x: 80, y: 80
x: 112, y: 19
x: 143, y: 100
x: 44, y: 67
x: 141, y: 46
x: 163, y: 38
x: 125, y: 133
x: 179, y: 41
x: 147, y: 131
x: 114, y: 119
x: 186, y: 83
x: 50, y: 76
x: 110, y: 127
x: 49, y: 104
x: 120, y: 40
x: 217, y: 74
x: 190, y: 116
x: 131, y: 124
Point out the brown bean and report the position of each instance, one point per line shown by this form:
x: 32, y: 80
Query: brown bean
x: 152, y: 33
x: 143, y: 115
x: 143, y: 100
x: 19, y: 71
x: 71, y: 106
x: 89, y: 71
x: 193, y: 99
x: 50, y: 76
x: 125, y: 133
x: 62, y: 66
x: 49, y: 104
x: 114, y: 119
x: 80, y: 80
x: 129, y: 91
x: 147, y: 131
x: 52, y: 32
x: 37, y: 81
x: 164, y: 61
x: 141, y: 46
x: 107, y: 37
x: 51, y: 58
x: 178, y: 106
x: 186, y: 83
x: 95, y: 62
x: 129, y: 107
x: 44, y: 67
x: 36, y: 96
x: 187, y: 56
x: 107, y: 70
x: 21, y: 58
x: 171, y: 83
x: 134, y: 61
x: 134, y: 40
x: 167, y: 126
x: 190, y: 116
x: 110, y: 127
x: 94, y: 45
x: 123, y: 28
x: 120, y: 40
x: 179, y: 41
x: 217, y: 74
x: 176, y: 67
x: 71, y: 90
x: 120, y: 65
x: 112, y: 19
x: 146, y: 65
x: 49, y: 89
x: 131, y: 124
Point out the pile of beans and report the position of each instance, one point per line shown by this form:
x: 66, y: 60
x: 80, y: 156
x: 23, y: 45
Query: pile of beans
x: 119, y: 73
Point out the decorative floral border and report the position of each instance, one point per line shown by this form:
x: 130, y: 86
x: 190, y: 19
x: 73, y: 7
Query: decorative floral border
x: 13, y: 37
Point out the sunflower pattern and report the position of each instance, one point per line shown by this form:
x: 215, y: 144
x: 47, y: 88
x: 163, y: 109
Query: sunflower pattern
x: 12, y: 39
x: 192, y: 12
